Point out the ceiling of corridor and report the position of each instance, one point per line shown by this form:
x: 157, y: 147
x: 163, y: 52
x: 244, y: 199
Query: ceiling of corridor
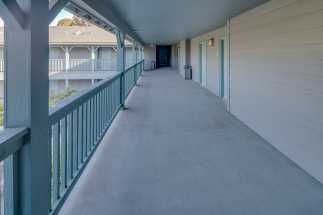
x: 168, y: 21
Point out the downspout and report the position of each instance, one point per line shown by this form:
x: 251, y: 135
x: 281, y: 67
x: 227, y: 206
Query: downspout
x: 228, y: 35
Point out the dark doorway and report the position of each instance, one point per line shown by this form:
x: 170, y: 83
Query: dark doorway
x: 163, y: 56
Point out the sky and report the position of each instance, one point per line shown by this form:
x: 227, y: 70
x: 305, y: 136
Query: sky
x: 63, y: 14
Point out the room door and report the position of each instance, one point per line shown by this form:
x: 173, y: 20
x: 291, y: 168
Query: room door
x: 163, y: 56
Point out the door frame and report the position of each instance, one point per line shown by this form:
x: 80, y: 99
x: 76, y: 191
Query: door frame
x: 201, y: 44
x: 221, y: 76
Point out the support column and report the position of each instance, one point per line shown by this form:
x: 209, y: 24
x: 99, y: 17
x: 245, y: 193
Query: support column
x: 134, y: 54
x: 28, y: 185
x: 121, y: 64
x: 67, y: 84
x: 67, y: 58
x: 93, y: 57
x: 93, y: 60
x: 121, y: 52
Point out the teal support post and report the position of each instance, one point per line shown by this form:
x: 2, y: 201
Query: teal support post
x: 122, y: 90
x: 27, y: 171
x: 121, y: 56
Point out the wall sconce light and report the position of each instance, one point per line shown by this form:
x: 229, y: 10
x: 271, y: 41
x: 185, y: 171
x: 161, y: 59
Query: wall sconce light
x: 211, y: 42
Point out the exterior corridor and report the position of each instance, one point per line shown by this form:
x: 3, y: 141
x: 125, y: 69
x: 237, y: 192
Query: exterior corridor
x: 176, y: 151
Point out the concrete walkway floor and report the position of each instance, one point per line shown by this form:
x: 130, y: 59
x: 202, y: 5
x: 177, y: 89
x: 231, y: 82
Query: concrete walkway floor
x: 176, y: 151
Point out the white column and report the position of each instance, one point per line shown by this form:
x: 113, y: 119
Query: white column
x: 26, y: 104
x: 93, y: 57
x: 93, y: 60
x: 67, y: 84
x: 67, y: 58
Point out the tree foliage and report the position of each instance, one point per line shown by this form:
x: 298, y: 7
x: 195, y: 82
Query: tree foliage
x: 75, y: 21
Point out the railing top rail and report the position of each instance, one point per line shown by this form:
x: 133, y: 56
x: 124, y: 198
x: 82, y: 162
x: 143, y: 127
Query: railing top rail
x: 129, y: 68
x: 10, y: 141
x: 69, y: 104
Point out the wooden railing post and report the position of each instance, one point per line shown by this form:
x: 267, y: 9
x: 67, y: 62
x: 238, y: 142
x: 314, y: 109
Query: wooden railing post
x: 27, y: 178
x: 122, y: 90
x: 121, y: 64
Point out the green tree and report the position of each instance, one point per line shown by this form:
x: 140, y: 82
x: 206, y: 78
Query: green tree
x: 75, y: 21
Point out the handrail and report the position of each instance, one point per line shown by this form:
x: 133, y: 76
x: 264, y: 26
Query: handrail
x: 11, y: 140
x: 69, y: 103
x: 78, y: 124
x: 73, y: 101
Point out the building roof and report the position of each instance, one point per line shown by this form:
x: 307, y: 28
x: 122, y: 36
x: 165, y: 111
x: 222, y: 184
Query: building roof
x: 76, y: 35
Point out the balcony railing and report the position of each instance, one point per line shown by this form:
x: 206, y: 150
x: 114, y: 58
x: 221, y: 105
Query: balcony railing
x: 78, y: 65
x: 77, y: 126
x: 82, y: 65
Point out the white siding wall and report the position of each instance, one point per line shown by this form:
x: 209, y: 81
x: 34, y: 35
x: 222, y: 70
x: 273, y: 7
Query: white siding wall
x: 181, y: 60
x: 56, y: 53
x: 149, y: 56
x: 276, y: 60
x: 212, y: 59
x: 80, y: 53
x: 108, y: 58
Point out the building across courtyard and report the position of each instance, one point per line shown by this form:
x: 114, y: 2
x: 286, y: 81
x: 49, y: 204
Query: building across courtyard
x: 78, y: 57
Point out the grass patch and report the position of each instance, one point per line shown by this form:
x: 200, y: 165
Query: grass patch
x: 53, y: 100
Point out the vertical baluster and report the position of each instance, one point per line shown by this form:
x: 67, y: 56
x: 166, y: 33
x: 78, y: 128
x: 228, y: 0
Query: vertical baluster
x: 93, y: 122
x: 88, y: 124
x: 74, y: 130
x: 114, y: 94
x: 106, y: 107
x: 122, y: 94
x: 55, y: 162
x: 102, y: 107
x: 134, y: 74
x: 95, y: 117
x: 117, y: 94
x: 77, y: 143
x: 63, y: 153
x: 84, y: 131
x: 100, y: 113
x: 79, y: 136
x: 52, y: 159
x: 109, y: 103
x: 70, y: 147
x: 103, y: 111
x: 98, y: 116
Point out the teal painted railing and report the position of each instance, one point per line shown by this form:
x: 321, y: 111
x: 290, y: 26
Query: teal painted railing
x: 12, y: 141
x: 77, y: 126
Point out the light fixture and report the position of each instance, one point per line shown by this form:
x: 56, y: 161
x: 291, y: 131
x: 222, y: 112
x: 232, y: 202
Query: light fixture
x: 211, y: 42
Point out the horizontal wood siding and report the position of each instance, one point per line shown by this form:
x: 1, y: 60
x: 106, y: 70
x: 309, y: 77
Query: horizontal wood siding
x: 276, y: 61
x: 212, y: 66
